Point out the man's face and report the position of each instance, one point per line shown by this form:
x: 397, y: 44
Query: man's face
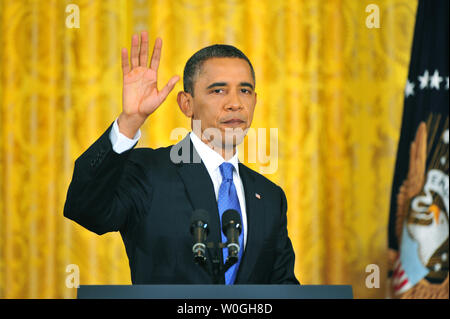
x: 224, y: 97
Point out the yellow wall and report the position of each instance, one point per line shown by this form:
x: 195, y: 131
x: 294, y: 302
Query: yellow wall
x: 332, y: 87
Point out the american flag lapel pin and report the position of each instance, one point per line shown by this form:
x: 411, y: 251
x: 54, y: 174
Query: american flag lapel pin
x: 257, y: 196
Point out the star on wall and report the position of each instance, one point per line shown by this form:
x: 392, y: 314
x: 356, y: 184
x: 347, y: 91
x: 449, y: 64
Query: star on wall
x: 409, y: 88
x: 435, y: 81
x: 423, y: 79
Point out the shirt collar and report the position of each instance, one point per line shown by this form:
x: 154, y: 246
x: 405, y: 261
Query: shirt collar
x: 211, y: 158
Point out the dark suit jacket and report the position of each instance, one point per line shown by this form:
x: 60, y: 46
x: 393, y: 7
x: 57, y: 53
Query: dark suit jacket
x: 150, y: 199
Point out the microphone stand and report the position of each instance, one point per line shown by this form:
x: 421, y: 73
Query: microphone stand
x: 218, y: 268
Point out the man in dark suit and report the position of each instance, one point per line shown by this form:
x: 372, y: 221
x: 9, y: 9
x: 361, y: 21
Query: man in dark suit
x: 149, y: 194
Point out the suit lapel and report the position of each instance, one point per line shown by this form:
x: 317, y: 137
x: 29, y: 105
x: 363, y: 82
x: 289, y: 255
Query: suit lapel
x: 255, y: 225
x: 199, y: 187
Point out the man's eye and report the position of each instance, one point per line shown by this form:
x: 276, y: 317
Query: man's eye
x: 218, y: 91
x: 246, y: 91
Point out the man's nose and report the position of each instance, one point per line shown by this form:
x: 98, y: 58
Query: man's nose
x: 234, y: 103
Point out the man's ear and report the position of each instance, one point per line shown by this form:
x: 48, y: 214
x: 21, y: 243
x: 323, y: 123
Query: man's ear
x: 184, y: 100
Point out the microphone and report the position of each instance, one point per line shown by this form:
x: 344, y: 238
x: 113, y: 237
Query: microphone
x: 231, y: 226
x: 199, y: 231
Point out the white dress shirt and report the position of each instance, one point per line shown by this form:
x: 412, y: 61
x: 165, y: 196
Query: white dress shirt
x: 211, y: 159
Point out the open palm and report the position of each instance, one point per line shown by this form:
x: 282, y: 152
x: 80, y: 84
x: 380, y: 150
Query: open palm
x: 141, y: 96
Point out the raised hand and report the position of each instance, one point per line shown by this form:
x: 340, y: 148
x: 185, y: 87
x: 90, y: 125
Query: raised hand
x: 141, y: 96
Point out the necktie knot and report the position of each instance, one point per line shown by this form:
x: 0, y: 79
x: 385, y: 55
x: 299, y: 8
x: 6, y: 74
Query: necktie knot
x: 226, y: 169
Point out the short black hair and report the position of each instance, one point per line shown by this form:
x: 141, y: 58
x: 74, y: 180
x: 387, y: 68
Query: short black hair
x: 195, y: 62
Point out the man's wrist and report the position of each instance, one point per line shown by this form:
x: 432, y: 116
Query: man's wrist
x: 119, y: 142
x: 129, y: 125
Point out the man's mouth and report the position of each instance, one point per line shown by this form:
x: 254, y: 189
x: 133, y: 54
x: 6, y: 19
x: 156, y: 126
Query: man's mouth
x: 234, y: 121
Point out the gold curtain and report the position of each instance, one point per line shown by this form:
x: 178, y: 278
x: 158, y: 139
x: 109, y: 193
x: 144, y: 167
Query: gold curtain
x: 331, y: 86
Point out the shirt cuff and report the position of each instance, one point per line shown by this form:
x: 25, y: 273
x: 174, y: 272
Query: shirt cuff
x: 120, y: 143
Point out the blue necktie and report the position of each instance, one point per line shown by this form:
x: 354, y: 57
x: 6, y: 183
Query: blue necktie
x: 228, y: 199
